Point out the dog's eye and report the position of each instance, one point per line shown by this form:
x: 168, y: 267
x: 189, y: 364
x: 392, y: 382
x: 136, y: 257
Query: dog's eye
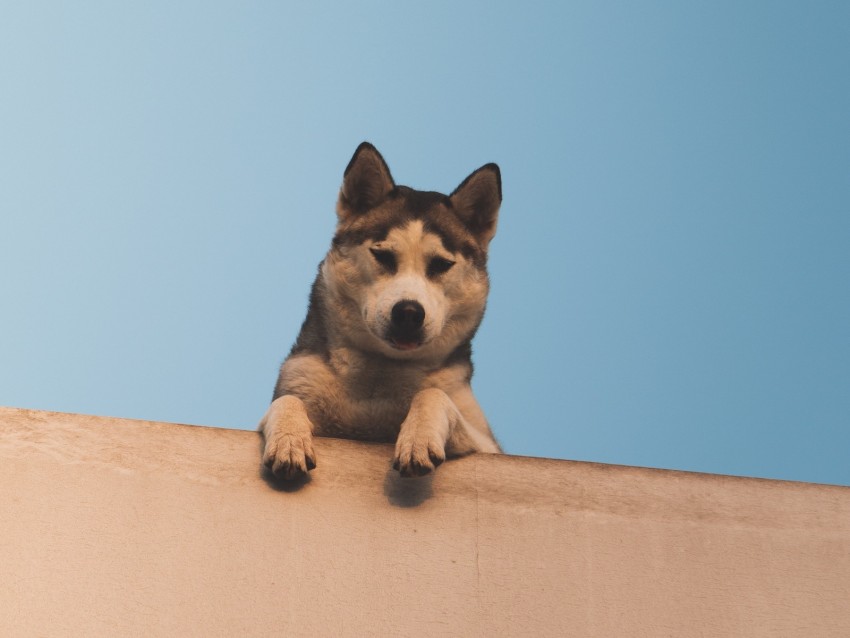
x: 384, y: 257
x: 439, y: 265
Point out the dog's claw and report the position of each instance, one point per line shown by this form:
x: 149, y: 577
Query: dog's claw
x: 289, y: 456
x: 417, y: 458
x: 417, y: 469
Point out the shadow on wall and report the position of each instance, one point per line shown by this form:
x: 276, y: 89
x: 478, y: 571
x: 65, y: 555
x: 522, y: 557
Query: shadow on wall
x: 407, y: 492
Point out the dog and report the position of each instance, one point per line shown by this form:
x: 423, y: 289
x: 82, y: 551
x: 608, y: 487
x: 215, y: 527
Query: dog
x: 385, y: 351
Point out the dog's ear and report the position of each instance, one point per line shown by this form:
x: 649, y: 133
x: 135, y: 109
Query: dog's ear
x: 365, y: 183
x: 476, y: 201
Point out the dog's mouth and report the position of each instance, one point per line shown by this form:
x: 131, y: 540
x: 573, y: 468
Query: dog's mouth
x: 403, y: 344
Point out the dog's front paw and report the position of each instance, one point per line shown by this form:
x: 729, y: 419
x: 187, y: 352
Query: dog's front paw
x: 418, y: 455
x: 289, y: 456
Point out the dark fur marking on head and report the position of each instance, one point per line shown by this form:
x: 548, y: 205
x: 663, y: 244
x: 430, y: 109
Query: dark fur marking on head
x: 404, y: 205
x: 419, y: 203
x: 455, y: 239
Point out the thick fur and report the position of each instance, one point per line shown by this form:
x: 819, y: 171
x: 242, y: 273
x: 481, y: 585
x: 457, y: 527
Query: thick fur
x: 384, y: 353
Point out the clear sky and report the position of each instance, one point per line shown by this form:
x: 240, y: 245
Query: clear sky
x: 671, y: 274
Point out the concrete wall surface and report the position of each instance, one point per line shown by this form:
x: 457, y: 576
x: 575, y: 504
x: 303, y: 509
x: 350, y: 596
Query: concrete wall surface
x: 112, y: 527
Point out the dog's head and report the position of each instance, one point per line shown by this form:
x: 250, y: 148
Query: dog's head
x: 407, y: 268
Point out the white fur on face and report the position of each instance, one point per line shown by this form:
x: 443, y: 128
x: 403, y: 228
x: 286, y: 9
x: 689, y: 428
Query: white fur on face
x: 412, y: 249
x: 453, y: 301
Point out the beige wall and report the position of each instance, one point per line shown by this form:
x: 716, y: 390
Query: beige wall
x: 117, y: 527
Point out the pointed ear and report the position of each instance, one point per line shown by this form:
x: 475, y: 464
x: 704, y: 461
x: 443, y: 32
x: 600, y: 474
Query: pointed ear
x: 365, y: 183
x: 476, y: 201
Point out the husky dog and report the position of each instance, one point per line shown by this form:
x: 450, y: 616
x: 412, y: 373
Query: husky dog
x: 384, y: 353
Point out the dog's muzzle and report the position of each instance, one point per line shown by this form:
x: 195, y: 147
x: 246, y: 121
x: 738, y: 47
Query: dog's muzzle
x: 406, y: 320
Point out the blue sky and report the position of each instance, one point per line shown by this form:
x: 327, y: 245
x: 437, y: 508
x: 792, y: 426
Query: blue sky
x: 670, y: 275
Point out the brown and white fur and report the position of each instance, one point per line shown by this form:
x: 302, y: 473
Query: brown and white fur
x: 384, y: 353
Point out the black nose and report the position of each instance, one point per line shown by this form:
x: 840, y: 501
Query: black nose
x: 408, y: 315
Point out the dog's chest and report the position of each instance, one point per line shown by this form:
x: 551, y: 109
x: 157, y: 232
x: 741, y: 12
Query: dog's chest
x: 380, y: 391
x: 370, y: 401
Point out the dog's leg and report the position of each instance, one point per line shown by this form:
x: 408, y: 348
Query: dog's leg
x: 289, y: 438
x: 421, y: 443
x: 473, y: 433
